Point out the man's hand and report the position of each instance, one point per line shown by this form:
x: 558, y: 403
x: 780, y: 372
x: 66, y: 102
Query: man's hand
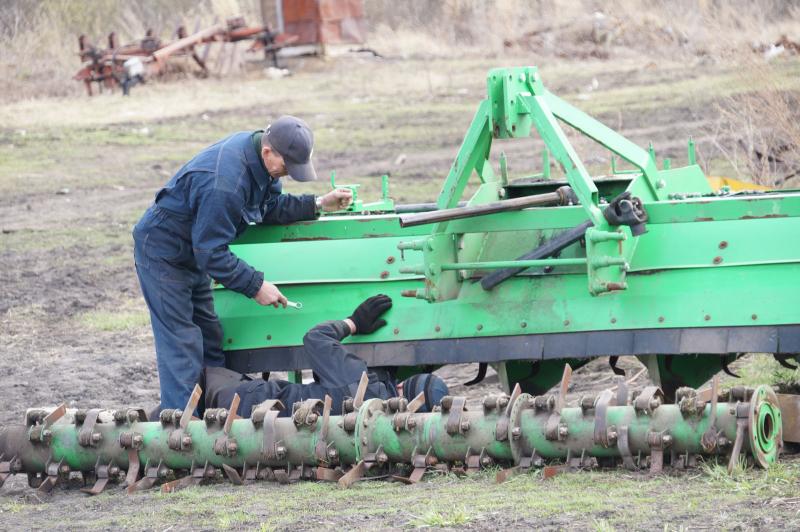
x: 269, y: 294
x: 336, y: 200
x: 366, y: 317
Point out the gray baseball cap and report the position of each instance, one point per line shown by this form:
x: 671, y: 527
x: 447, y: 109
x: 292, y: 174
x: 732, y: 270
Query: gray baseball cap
x: 293, y: 140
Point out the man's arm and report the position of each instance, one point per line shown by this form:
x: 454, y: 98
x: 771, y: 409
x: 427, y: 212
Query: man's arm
x: 216, y: 215
x: 335, y: 366
x: 287, y: 208
x: 329, y: 359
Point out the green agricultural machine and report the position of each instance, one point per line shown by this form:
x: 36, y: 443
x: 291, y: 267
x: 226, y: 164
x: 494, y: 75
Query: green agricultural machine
x: 649, y: 262
x: 534, y: 276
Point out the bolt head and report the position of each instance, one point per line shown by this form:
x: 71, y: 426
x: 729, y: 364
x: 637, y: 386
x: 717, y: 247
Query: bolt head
x: 280, y: 451
x: 138, y: 439
x: 364, y: 440
x: 332, y: 453
x: 46, y: 435
x: 186, y: 441
x: 563, y: 431
x: 411, y: 423
x: 465, y: 425
x: 312, y: 418
x: 502, y: 402
x: 96, y: 437
x: 516, y: 432
x: 655, y: 402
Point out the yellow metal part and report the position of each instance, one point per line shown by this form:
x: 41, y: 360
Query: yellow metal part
x: 717, y: 182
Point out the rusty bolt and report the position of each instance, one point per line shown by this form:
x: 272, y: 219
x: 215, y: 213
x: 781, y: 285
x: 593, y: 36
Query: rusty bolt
x: 563, y: 431
x: 364, y: 440
x: 382, y: 458
x: 411, y: 423
x: 465, y: 425
x: 612, y: 437
x: 661, y: 319
x: 390, y: 260
x: 655, y: 402
x: 96, y: 437
x: 232, y: 447
x: 332, y: 454
x: 280, y: 451
x: 118, y: 415
x: 46, y: 435
x: 64, y: 469
x: 723, y: 244
x: 431, y: 460
x: 707, y: 317
x: 754, y: 317
x: 502, y: 401
x: 437, y: 328
x: 186, y: 441
x: 311, y: 418
x: 666, y: 439
x: 516, y: 432
x: 384, y: 274
x: 133, y: 416
x: 479, y: 327
x: 486, y: 461
x: 613, y: 320
x: 113, y: 470
x: 717, y: 260
x: 138, y: 439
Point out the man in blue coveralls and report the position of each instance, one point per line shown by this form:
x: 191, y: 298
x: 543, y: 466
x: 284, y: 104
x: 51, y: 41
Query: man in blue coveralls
x: 181, y: 242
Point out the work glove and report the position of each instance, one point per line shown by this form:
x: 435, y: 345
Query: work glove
x: 367, y: 316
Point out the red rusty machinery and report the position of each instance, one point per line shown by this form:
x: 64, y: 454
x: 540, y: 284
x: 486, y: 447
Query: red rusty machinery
x: 105, y: 66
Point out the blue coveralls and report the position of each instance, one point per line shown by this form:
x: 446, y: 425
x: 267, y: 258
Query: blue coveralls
x: 337, y: 370
x: 181, y: 243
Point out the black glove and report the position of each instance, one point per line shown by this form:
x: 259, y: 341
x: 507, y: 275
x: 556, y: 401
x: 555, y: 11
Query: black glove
x: 366, y: 315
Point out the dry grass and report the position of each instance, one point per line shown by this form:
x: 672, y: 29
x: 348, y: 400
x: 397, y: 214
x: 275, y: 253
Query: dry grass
x: 758, y: 132
x: 39, y: 37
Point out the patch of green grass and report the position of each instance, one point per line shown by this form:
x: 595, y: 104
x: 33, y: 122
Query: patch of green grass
x: 233, y: 519
x: 12, y: 507
x: 601, y: 525
x: 441, y: 519
x: 101, y: 320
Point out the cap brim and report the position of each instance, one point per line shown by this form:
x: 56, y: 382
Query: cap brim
x: 301, y: 171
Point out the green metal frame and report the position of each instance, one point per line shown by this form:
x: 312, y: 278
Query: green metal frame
x: 706, y: 260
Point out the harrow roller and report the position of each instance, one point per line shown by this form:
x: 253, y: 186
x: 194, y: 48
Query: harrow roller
x: 520, y: 431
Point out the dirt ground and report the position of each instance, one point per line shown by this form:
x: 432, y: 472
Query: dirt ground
x: 76, y: 174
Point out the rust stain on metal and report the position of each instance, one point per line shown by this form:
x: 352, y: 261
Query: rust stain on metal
x: 717, y: 260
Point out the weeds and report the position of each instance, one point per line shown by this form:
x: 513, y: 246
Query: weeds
x: 441, y: 519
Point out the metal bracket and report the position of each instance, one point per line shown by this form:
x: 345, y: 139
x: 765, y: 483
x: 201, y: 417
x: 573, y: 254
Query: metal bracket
x: 226, y: 445
x: 623, y: 444
x: 554, y: 429
x: 321, y: 448
x: 87, y: 437
x: 265, y: 414
x: 473, y: 461
x: 40, y: 432
x: 455, y: 407
x: 709, y: 438
x: 501, y: 428
x: 658, y: 441
x: 103, y: 474
x: 404, y: 420
x: 650, y: 398
x: 604, y: 435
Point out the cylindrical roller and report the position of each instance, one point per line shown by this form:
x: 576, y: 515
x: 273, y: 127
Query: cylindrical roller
x: 510, y: 432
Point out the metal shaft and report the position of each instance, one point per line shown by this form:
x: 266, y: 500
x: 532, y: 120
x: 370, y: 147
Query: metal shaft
x: 519, y: 431
x: 559, y: 197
